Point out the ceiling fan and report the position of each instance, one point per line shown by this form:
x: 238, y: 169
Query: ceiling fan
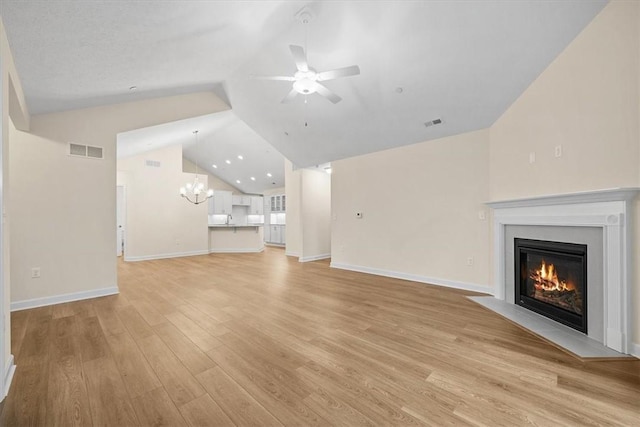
x: 307, y: 80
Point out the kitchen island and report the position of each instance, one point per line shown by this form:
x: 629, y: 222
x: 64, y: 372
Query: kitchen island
x: 231, y: 238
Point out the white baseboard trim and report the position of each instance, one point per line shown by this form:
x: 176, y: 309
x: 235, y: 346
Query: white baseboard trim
x: 235, y: 250
x: 635, y: 349
x: 313, y: 257
x: 288, y: 253
x: 8, y: 376
x: 416, y: 278
x: 275, y: 245
x: 164, y: 256
x: 59, y: 299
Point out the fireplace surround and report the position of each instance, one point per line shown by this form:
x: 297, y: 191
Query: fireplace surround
x: 609, y: 213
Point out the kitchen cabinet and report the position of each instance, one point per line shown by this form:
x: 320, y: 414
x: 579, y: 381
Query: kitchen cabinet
x: 278, y: 203
x: 241, y: 200
x: 221, y: 203
x: 274, y: 210
x: 256, y: 206
x: 277, y: 234
x: 267, y: 233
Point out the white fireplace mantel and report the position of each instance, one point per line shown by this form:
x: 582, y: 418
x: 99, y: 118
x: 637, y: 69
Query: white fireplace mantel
x: 610, y: 210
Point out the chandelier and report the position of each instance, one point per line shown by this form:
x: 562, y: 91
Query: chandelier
x: 195, y: 192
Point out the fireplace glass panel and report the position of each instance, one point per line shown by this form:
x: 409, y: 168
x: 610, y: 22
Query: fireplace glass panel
x: 552, y: 280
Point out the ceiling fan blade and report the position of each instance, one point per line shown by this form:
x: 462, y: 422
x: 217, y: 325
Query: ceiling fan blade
x: 287, y: 99
x: 324, y: 91
x: 353, y: 70
x: 285, y: 78
x: 299, y: 57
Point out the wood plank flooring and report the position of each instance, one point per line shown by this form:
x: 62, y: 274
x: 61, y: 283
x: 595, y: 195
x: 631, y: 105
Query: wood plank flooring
x: 262, y: 340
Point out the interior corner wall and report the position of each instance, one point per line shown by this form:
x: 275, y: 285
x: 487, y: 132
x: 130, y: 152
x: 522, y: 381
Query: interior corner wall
x: 160, y: 223
x: 214, y: 182
x: 316, y: 214
x: 13, y: 111
x: 588, y: 102
x: 68, y: 230
x: 420, y: 208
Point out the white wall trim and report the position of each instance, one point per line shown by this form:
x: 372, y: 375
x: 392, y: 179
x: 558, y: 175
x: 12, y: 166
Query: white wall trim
x: 289, y: 253
x: 8, y: 376
x: 313, y: 257
x: 59, y: 299
x: 611, y: 210
x: 163, y: 256
x: 235, y: 250
x: 485, y: 289
x: 635, y: 349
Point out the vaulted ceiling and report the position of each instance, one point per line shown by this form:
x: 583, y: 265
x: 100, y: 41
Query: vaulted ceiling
x: 463, y: 62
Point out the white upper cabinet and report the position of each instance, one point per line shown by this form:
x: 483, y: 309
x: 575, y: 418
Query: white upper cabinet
x: 220, y: 203
x: 256, y: 207
x: 278, y: 203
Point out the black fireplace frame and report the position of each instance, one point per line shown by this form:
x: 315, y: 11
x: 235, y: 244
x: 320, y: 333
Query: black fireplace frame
x: 562, y: 249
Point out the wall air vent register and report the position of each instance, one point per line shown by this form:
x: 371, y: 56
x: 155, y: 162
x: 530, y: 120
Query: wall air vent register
x: 87, y: 151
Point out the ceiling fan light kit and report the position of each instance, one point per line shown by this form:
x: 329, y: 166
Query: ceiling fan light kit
x: 306, y: 79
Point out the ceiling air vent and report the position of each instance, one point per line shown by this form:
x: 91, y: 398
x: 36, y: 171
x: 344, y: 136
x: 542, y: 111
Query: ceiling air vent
x: 79, y: 150
x: 433, y: 122
x: 152, y: 163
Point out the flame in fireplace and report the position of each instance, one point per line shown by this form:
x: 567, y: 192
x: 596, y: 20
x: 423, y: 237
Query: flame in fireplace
x: 546, y: 278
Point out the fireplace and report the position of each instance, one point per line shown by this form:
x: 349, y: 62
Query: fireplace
x: 551, y: 279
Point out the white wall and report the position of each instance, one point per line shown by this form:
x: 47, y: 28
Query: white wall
x: 308, y: 213
x: 316, y: 214
x: 160, y: 223
x: 588, y: 101
x: 293, y: 191
x: 420, y: 207
x: 68, y: 230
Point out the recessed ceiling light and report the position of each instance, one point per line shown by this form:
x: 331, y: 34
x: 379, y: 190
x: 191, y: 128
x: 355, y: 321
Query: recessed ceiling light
x: 253, y: 178
x: 238, y: 181
x: 240, y: 156
x: 228, y: 162
x: 214, y: 166
x: 269, y: 174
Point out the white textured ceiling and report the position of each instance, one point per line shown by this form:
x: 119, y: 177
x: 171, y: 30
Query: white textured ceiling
x: 462, y: 61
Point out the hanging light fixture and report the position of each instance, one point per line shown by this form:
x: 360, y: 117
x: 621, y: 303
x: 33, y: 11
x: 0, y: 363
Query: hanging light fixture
x: 195, y: 192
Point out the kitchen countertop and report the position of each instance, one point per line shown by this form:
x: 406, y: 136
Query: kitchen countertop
x: 234, y: 225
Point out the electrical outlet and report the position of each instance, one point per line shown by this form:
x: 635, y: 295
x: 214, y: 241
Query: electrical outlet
x: 470, y: 261
x: 558, y: 151
x: 35, y: 273
x: 482, y: 215
x: 532, y: 157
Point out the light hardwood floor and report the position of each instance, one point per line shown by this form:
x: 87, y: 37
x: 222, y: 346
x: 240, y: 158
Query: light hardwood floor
x: 260, y: 339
